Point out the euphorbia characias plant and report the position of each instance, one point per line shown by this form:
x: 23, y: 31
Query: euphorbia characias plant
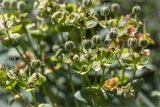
x: 56, y: 41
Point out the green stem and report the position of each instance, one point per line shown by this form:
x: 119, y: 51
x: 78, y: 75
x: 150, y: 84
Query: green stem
x: 87, y: 79
x: 123, y: 73
x: 134, y: 70
x: 103, y: 76
x: 71, y: 85
x: 10, y: 39
x: 20, y: 54
x: 63, y: 40
x: 82, y: 80
x: 34, y: 97
x: 118, y: 60
x: 48, y: 92
x: 95, y: 78
x: 16, y: 92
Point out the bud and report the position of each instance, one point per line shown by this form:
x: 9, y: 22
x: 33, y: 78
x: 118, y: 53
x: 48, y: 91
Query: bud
x: 115, y: 7
x: 69, y: 45
x: 132, y: 42
x: 143, y: 43
x: 96, y: 39
x: 35, y: 63
x: 87, y: 3
x: 5, y: 4
x: 113, y: 34
x: 87, y: 44
x: 136, y: 9
x: 21, y: 5
x: 104, y: 11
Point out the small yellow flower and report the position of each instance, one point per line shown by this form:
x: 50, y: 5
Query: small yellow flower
x: 111, y: 84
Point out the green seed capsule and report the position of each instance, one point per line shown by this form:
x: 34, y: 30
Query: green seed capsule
x: 5, y: 4
x: 143, y: 43
x: 87, y: 3
x: 104, y: 11
x: 136, y: 9
x: 132, y: 42
x: 115, y: 7
x: 96, y: 39
x: 87, y: 44
x: 113, y: 34
x: 69, y: 45
x: 21, y: 6
x: 35, y: 63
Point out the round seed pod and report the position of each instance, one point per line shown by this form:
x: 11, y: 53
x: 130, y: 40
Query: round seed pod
x: 115, y: 7
x: 96, y: 39
x: 113, y: 34
x: 35, y: 63
x: 21, y: 6
x: 136, y: 9
x: 87, y: 44
x: 105, y: 11
x: 5, y: 4
x: 132, y: 42
x: 87, y: 3
x: 69, y: 45
x: 143, y: 43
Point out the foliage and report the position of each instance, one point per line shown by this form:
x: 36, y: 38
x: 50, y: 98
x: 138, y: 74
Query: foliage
x: 61, y: 50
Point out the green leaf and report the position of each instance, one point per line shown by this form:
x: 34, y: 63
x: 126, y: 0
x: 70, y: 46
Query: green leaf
x: 137, y: 85
x: 93, y: 95
x: 53, y: 59
x: 80, y: 97
x: 11, y: 85
x: 2, y: 74
x: 103, y: 23
x: 67, y: 60
x: 132, y: 22
x: 90, y: 23
x: 17, y: 28
x: 96, y: 66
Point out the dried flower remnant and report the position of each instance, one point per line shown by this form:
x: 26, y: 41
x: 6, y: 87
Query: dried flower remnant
x: 111, y: 84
